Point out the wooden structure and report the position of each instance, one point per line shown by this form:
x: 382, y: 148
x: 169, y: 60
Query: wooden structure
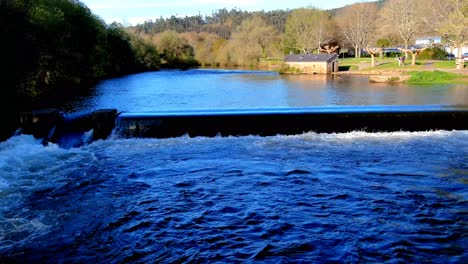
x: 313, y: 63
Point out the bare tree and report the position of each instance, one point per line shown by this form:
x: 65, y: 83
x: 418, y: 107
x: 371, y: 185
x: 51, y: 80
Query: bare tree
x: 356, y: 23
x: 450, y: 19
x: 400, y: 16
x: 372, y: 52
x: 308, y: 29
x: 414, y: 53
x: 328, y: 48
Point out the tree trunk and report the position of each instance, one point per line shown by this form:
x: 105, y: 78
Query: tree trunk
x: 413, y: 59
x: 406, y: 47
x: 461, y: 62
x: 356, y: 52
x: 381, y: 53
x: 372, y: 60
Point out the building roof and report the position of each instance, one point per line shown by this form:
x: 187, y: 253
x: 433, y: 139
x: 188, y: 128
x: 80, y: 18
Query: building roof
x: 311, y: 57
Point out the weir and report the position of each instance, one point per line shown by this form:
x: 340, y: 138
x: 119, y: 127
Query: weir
x: 267, y: 122
x: 75, y: 130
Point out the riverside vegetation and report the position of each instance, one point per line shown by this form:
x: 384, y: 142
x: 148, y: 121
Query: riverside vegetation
x: 53, y: 49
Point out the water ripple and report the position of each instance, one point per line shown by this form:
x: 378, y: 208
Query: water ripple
x: 335, y: 198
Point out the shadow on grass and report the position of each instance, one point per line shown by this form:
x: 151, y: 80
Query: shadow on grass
x: 347, y: 68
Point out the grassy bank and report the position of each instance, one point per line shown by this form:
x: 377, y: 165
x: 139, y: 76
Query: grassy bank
x: 436, y: 77
x: 447, y: 64
x: 364, y: 64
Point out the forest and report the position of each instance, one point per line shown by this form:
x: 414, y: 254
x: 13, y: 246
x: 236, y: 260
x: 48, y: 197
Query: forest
x: 56, y: 49
x: 239, y: 38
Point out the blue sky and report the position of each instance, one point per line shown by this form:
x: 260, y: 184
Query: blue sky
x: 137, y: 11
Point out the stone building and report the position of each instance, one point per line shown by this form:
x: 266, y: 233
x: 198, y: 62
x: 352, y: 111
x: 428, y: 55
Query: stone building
x: 313, y: 63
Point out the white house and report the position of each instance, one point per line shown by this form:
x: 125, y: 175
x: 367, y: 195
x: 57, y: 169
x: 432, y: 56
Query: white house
x: 424, y: 41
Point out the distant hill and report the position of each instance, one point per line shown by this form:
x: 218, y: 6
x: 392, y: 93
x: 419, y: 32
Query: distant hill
x: 334, y: 11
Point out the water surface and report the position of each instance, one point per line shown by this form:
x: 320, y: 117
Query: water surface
x: 354, y: 197
x: 234, y: 89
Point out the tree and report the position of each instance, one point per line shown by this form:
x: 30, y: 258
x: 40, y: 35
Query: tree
x: 256, y: 32
x: 253, y: 40
x: 308, y: 29
x: 383, y: 43
x: 414, y: 53
x: 400, y: 16
x: 356, y: 23
x: 372, y: 52
x: 205, y: 46
x: 328, y: 48
x: 450, y: 19
x: 175, y: 49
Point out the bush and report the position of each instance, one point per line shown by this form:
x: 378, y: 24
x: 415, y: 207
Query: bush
x: 394, y: 54
x: 435, y: 53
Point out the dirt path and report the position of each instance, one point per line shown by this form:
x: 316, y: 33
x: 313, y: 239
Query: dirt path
x: 429, y: 65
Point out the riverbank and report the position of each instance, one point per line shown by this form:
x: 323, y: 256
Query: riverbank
x: 387, y: 70
x: 441, y: 76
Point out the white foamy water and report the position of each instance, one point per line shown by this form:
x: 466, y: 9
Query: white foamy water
x: 63, y: 195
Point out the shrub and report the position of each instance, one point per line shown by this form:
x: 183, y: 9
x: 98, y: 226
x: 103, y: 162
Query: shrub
x: 435, y: 53
x: 394, y: 54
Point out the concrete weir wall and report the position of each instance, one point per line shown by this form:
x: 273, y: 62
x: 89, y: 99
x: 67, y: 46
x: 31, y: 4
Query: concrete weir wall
x: 69, y: 131
x: 291, y: 121
x: 52, y: 126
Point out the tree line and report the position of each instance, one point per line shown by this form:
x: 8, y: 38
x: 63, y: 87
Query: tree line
x: 238, y: 37
x: 52, y: 48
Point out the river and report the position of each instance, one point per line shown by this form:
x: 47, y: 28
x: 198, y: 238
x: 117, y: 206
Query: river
x: 234, y: 89
x: 351, y: 197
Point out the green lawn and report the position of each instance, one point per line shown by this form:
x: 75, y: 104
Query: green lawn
x: 357, y: 61
x: 349, y: 64
x: 436, y: 77
x: 394, y: 65
x: 447, y: 64
x: 382, y: 64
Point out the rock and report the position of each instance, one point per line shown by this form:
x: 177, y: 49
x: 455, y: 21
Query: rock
x: 388, y: 78
x: 41, y: 123
x: 103, y: 123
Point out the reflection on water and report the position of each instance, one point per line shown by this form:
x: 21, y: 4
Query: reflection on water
x: 233, y: 89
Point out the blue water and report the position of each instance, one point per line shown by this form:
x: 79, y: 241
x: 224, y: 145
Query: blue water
x: 347, y: 198
x: 355, y: 197
x: 228, y: 89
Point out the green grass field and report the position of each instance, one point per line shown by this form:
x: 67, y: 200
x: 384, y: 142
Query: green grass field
x: 351, y: 64
x: 447, y: 64
x: 436, y: 77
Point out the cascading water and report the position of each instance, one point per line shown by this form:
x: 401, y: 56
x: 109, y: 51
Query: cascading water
x: 353, y: 197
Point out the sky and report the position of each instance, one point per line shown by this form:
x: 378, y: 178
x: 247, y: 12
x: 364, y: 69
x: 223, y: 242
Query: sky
x: 137, y: 11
